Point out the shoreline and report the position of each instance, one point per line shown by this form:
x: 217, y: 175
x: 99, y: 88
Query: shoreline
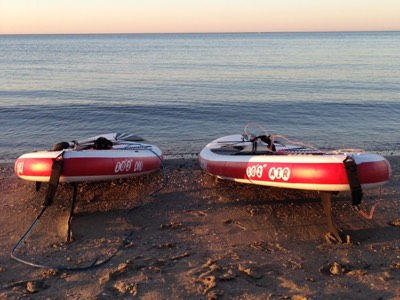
x: 174, y: 156
x: 197, y: 238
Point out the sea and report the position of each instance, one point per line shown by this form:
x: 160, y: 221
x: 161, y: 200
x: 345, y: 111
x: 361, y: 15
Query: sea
x: 332, y: 90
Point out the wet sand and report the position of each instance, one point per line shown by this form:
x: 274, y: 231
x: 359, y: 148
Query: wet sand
x: 182, y: 234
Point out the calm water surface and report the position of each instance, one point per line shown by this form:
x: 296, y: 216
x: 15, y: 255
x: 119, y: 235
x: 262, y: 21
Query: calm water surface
x: 180, y: 91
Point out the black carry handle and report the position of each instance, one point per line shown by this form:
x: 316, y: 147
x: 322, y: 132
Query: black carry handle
x: 352, y: 176
x: 56, y: 169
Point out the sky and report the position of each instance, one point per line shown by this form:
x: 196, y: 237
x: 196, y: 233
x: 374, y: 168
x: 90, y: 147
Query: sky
x: 191, y: 16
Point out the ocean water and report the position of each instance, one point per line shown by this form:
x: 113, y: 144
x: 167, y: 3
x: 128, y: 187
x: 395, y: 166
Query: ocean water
x: 180, y: 91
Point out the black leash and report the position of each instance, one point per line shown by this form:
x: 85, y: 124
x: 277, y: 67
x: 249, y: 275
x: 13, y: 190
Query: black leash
x: 53, y: 184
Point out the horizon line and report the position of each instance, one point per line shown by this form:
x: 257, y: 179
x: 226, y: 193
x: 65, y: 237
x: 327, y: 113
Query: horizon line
x: 212, y: 32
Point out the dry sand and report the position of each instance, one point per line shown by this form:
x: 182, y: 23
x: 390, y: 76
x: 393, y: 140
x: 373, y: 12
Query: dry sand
x: 196, y: 238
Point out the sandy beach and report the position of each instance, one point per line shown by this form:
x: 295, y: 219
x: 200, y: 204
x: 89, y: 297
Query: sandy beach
x: 182, y: 234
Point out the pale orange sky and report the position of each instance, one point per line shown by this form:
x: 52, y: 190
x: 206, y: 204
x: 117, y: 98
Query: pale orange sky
x: 162, y: 16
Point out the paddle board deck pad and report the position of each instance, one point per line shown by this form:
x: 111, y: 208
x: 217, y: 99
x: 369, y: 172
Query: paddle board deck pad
x: 104, y: 157
x: 247, y: 159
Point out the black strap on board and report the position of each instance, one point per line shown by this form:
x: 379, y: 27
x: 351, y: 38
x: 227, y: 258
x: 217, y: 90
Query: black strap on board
x: 56, y: 169
x: 268, y: 141
x: 352, y: 176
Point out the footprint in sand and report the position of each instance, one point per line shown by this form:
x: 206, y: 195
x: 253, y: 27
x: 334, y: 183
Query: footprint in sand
x: 235, y: 223
x: 197, y: 213
x: 171, y: 225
